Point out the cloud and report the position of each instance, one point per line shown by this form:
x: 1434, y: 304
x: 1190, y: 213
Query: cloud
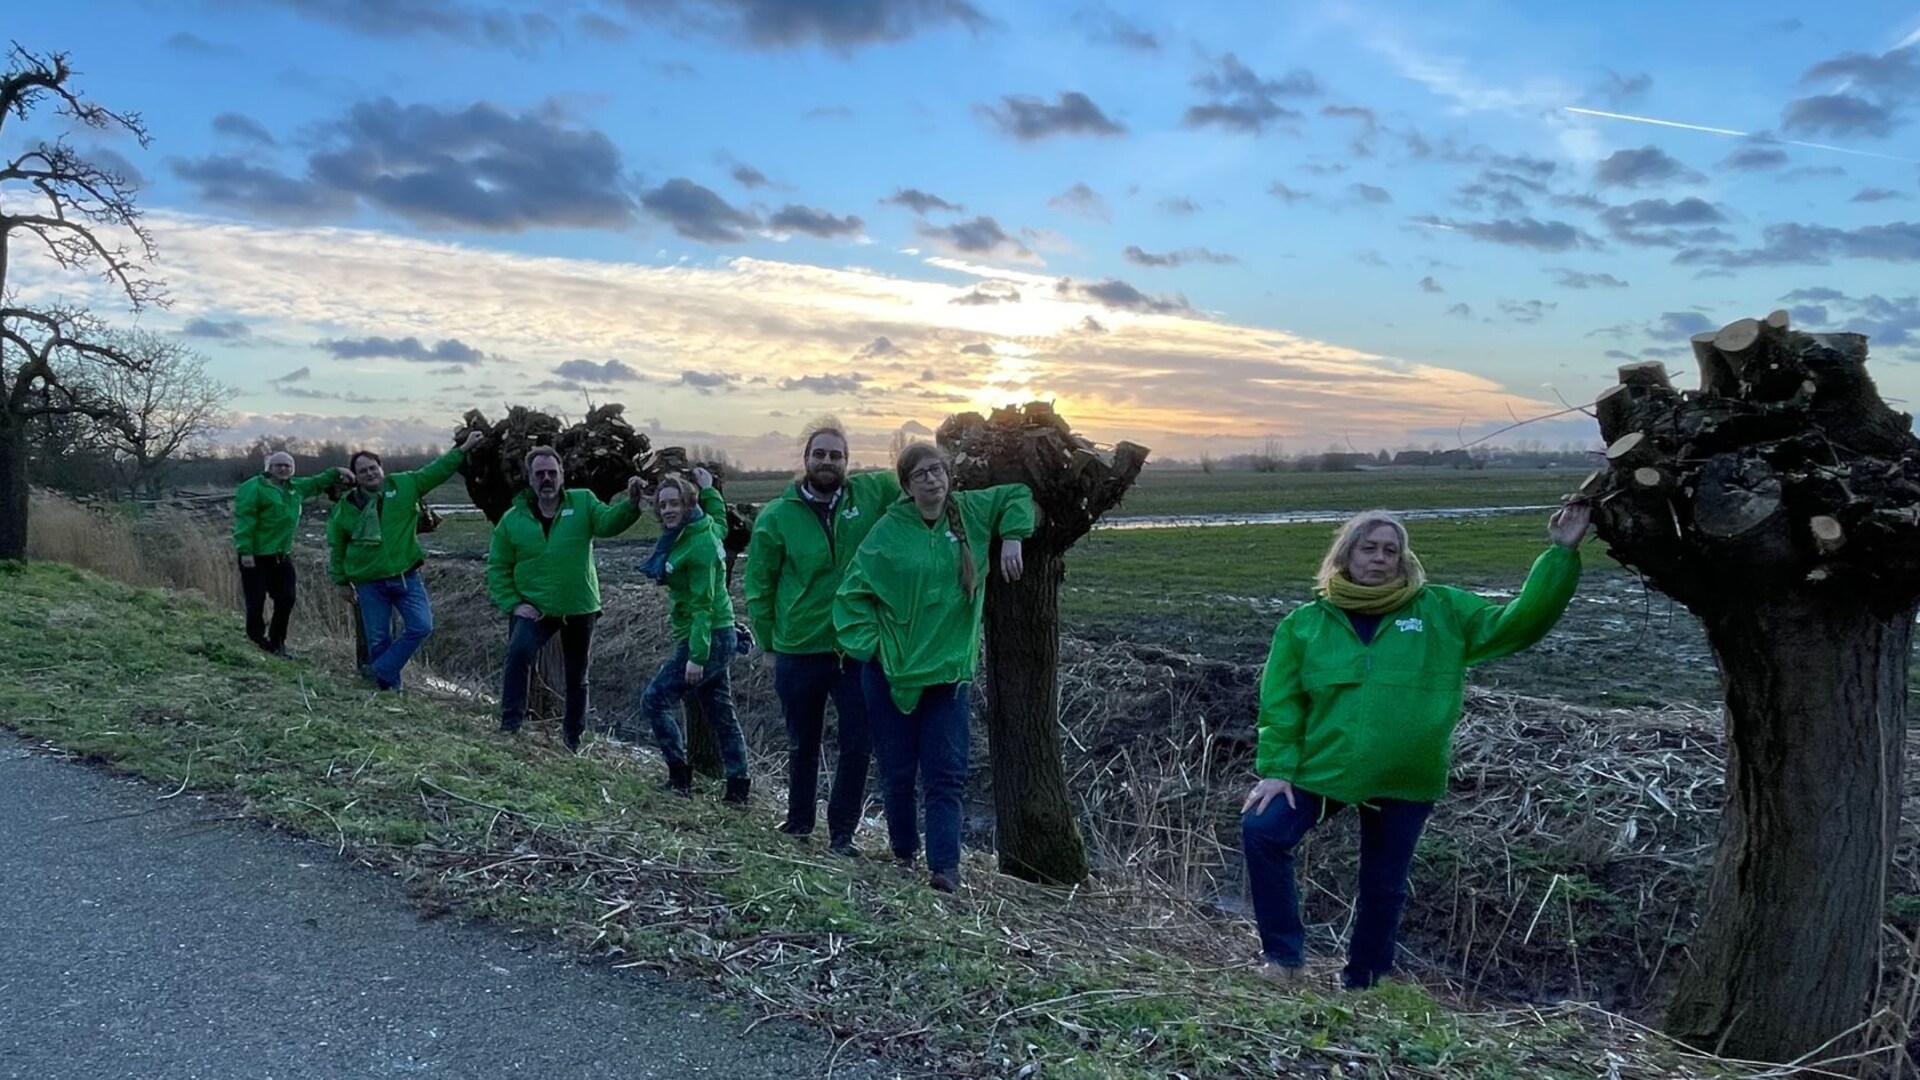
x: 1811, y: 172
x: 238, y: 184
x: 1808, y: 314
x: 749, y: 177
x: 1522, y: 232
x: 1180, y: 206
x: 827, y: 112
x: 1878, y: 194
x: 1103, y: 27
x: 299, y: 374
x: 598, y: 26
x: 194, y: 45
x: 706, y: 382
x: 447, y: 350
x: 921, y: 202
x: 1619, y: 90
x: 1526, y: 311
x: 1082, y: 200
x: 452, y: 20
x: 1361, y: 113
x: 1243, y: 101
x: 1118, y: 294
x: 1577, y: 279
x: 1896, y: 70
x: 814, y: 222
x: 1370, y: 257
x: 980, y: 236
x: 696, y: 213
x: 610, y: 371
x: 1791, y: 243
x: 1887, y: 321
x: 1680, y: 325
x: 1136, y: 256
x: 1755, y: 158
x: 1029, y: 119
x: 825, y: 384
x: 1871, y: 90
x: 988, y: 292
x: 838, y: 25
x: 880, y: 346
x: 1647, y: 166
x: 1660, y: 223
x: 242, y: 127
x: 1838, y: 114
x: 1428, y: 285
x: 1281, y: 191
x: 1369, y: 193
x: 978, y: 348
x: 216, y: 331
x: 1462, y: 311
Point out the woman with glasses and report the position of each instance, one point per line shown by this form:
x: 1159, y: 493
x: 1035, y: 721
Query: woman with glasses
x: 909, y: 610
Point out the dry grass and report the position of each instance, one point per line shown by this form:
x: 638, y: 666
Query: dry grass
x: 165, y: 548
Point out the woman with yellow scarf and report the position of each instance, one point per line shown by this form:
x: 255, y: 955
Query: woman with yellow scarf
x: 1362, y: 690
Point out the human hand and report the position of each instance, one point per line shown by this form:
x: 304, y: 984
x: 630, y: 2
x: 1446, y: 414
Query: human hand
x: 702, y: 477
x: 342, y: 474
x: 473, y: 439
x: 1012, y: 563
x: 1568, y: 525
x: 526, y: 611
x: 1263, y: 793
x: 246, y: 561
x: 636, y: 489
x: 694, y: 673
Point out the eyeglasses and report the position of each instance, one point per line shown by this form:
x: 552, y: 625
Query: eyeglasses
x: 828, y: 455
x: 926, y: 472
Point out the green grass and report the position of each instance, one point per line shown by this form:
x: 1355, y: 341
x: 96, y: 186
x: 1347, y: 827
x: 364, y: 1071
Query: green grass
x: 1180, y: 492
x: 1097, y: 983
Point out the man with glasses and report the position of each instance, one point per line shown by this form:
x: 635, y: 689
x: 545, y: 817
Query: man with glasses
x: 266, y: 513
x: 540, y: 572
x: 801, y: 545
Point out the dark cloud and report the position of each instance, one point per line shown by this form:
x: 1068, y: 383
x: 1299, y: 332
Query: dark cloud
x: 469, y: 23
x: 988, y: 292
x: 1820, y: 293
x: 1243, y: 101
x: 839, y: 25
x: 1091, y: 325
x: 880, y: 346
x: 1755, y: 158
x: 1526, y: 311
x: 1878, y: 194
x: 1680, y: 325
x: 1281, y: 191
x: 1370, y: 258
x: 242, y: 127
x: 299, y: 374
x: 1103, y: 27
x: 1579, y: 279
x: 111, y: 160
x: 216, y: 331
x: 239, y: 184
x: 1888, y: 321
x: 825, y: 384
x: 1838, y: 114
x: 1428, y: 285
x: 1082, y: 200
x: 980, y: 236
x: 1361, y: 113
x: 1521, y: 232
x: 1659, y: 223
x: 1808, y: 314
x: 978, y: 348
x: 1619, y: 354
x: 814, y: 222
x: 1621, y: 90
x: 921, y: 202
x: 1136, y: 256
x: 1811, y: 172
x: 1180, y: 206
x: 598, y: 26
x: 707, y: 382
x: 696, y: 213
x: 1460, y: 311
x: 1648, y: 166
x: 1791, y: 244
x: 1029, y: 118
x: 749, y: 177
x: 610, y: 371
x: 1896, y: 71
x: 194, y: 45
x: 1117, y: 294
x: 447, y: 350
x: 1369, y: 193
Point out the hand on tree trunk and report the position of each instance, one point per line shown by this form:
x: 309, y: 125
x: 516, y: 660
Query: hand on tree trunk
x: 1011, y: 563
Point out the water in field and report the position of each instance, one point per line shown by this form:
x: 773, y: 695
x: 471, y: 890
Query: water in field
x: 1305, y: 517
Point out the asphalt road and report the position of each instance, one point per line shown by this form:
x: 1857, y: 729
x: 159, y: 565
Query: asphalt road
x: 154, y: 938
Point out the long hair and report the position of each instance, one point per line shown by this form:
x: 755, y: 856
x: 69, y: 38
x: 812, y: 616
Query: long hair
x: 1349, y: 537
x: 689, y: 495
x: 913, y: 457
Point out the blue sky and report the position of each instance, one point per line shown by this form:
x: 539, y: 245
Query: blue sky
x: 1196, y: 227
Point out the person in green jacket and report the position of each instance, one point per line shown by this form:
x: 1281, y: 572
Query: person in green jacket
x: 802, y: 543
x: 540, y: 573
x: 909, y: 609
x: 1362, y: 690
x: 375, y: 557
x: 266, y: 511
x: 690, y: 560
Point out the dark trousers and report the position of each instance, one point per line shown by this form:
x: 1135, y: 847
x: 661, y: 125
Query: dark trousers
x: 270, y: 577
x: 660, y: 700
x: 525, y: 639
x: 1389, y: 831
x: 928, y: 744
x: 804, y: 682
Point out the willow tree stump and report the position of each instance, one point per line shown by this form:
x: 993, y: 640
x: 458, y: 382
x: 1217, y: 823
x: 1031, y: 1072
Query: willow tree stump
x: 1036, y: 833
x: 1781, y: 504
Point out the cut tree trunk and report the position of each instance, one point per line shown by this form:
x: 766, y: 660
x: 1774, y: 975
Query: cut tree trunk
x: 13, y: 488
x: 1035, y: 832
x: 1784, y: 960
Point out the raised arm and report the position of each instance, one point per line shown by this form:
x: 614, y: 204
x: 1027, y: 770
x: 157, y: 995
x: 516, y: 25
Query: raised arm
x: 616, y: 517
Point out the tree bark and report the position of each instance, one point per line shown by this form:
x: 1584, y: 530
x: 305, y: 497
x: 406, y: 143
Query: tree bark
x: 1037, y: 835
x: 1786, y: 957
x: 13, y: 487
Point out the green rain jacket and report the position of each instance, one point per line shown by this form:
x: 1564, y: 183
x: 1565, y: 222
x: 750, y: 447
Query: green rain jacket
x: 1355, y: 722
x: 697, y: 580
x: 362, y: 548
x: 266, y: 512
x: 552, y: 569
x: 796, y: 561
x: 901, y: 601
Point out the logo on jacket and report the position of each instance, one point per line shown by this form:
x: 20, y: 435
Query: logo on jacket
x: 1413, y: 626
x: 850, y: 513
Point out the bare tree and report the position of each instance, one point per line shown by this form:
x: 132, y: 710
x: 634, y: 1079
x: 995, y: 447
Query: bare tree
x: 84, y: 218
x: 167, y: 405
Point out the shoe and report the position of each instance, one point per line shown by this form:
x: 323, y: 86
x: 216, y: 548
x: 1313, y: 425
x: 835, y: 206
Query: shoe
x: 944, y: 881
x: 279, y: 650
x: 507, y: 729
x: 738, y: 788
x: 1282, y: 975
x: 843, y: 847
x: 572, y: 739
x: 903, y: 865
x: 680, y: 779
x: 793, y: 828
x: 366, y: 673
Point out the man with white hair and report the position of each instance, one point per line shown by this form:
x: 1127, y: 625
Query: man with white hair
x: 266, y: 511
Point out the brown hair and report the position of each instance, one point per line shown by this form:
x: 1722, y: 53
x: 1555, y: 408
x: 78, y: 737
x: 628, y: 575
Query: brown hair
x: 689, y: 495
x: 353, y: 463
x: 912, y: 458
x: 821, y: 425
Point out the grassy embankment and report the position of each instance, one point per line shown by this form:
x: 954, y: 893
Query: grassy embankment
x: 1108, y: 981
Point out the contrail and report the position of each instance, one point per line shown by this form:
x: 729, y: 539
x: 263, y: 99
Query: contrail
x: 1736, y: 134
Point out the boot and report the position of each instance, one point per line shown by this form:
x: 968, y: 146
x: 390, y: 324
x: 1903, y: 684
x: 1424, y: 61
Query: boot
x: 737, y: 789
x: 680, y: 779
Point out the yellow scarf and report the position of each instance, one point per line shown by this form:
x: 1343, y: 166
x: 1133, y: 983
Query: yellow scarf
x: 1375, y: 599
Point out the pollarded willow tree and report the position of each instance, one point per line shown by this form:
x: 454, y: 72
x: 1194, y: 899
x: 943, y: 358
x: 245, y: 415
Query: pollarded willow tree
x: 1036, y: 834
x: 81, y: 216
x: 1780, y: 503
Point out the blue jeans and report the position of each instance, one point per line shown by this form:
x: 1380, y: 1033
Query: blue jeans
x: 525, y: 639
x: 930, y: 744
x: 1389, y: 830
x: 661, y: 699
x: 803, y: 682
x: 379, y: 600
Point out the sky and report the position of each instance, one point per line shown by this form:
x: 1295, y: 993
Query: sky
x: 1199, y: 227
